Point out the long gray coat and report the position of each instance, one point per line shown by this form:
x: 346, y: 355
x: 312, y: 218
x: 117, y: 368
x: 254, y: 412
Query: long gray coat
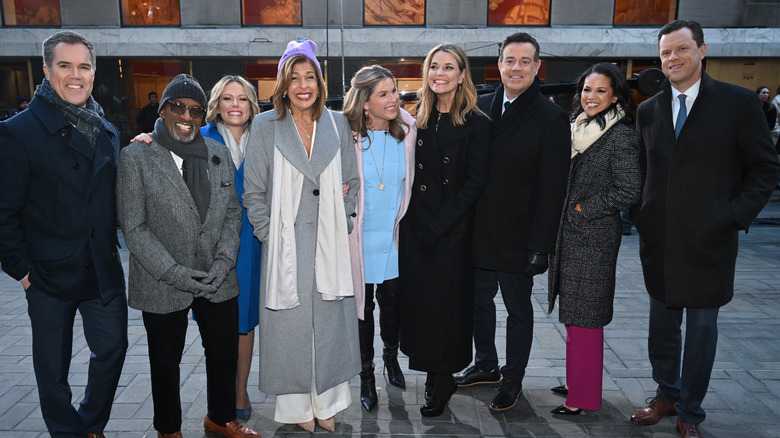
x: 162, y: 226
x: 604, y: 181
x: 286, y: 336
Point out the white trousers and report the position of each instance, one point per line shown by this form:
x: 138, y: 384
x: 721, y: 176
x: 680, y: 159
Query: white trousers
x: 300, y: 408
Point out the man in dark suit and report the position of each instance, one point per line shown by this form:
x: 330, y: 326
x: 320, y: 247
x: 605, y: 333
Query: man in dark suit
x: 58, y: 163
x: 708, y: 167
x: 148, y: 114
x: 517, y: 216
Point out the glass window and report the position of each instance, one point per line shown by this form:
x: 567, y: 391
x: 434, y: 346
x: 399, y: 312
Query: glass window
x: 272, y: 12
x: 394, y: 12
x: 150, y: 13
x: 518, y: 12
x: 31, y: 12
x: 644, y: 12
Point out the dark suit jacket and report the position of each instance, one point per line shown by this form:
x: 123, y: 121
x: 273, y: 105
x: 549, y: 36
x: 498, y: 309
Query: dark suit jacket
x: 57, y: 211
x: 522, y: 200
x: 699, y: 190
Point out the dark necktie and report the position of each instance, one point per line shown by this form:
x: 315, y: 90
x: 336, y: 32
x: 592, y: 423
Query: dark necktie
x: 506, y: 107
x: 682, y: 114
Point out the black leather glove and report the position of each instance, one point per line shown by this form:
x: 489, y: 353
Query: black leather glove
x: 186, y: 279
x: 537, y: 264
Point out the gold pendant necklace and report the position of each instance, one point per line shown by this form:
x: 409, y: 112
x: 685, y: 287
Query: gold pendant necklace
x: 384, y: 153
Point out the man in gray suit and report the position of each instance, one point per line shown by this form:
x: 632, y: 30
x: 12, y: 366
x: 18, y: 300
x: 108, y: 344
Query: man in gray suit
x: 181, y: 218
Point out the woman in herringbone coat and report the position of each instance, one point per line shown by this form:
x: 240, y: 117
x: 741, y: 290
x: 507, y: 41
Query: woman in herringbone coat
x: 603, y: 180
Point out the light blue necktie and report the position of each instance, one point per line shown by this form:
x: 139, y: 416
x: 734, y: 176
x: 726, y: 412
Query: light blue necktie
x: 682, y: 114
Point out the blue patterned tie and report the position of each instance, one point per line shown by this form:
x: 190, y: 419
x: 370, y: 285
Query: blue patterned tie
x: 681, y: 115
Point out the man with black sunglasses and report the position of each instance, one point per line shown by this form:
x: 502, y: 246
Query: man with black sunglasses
x: 181, y: 218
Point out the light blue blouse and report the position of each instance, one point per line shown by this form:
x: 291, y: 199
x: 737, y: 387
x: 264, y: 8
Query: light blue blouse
x: 383, y: 161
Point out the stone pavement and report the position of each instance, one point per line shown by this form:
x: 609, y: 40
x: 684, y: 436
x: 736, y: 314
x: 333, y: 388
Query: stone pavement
x: 743, y: 399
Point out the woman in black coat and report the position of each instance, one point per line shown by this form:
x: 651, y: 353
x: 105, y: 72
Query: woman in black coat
x: 437, y: 298
x: 769, y: 111
x: 604, y: 179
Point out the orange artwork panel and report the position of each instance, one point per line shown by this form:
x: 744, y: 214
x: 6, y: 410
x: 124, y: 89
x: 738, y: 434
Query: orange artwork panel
x: 272, y: 12
x: 519, y: 12
x: 644, y: 12
x: 394, y: 12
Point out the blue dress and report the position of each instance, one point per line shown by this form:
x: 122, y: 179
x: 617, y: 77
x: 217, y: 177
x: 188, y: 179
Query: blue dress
x: 248, y: 260
x: 385, y: 158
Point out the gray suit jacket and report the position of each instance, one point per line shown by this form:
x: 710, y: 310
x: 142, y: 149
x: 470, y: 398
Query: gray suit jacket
x: 162, y: 226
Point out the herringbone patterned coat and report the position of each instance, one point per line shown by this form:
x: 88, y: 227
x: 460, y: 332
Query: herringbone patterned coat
x: 604, y: 180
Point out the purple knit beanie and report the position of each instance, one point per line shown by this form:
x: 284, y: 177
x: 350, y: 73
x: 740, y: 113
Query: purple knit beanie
x: 300, y: 47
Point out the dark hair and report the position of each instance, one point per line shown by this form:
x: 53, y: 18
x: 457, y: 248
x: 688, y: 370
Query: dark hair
x: 519, y: 37
x: 778, y: 90
x: 152, y: 93
x: 66, y: 37
x: 764, y: 104
x: 620, y: 89
x: 694, y: 26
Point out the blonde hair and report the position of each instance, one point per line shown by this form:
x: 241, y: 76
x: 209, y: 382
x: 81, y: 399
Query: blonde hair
x: 363, y: 85
x: 212, y: 112
x: 283, y: 80
x: 465, y: 100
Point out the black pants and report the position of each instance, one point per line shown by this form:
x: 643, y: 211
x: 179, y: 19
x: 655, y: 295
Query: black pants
x: 218, y: 326
x: 516, y: 292
x: 388, y: 294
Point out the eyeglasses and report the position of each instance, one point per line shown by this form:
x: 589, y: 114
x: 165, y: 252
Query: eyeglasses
x: 179, y: 108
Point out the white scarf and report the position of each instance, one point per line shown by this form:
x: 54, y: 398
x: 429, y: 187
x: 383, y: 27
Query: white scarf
x: 332, y: 267
x: 237, y: 150
x: 585, y: 134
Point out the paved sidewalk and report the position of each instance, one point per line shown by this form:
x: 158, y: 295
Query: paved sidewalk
x: 743, y: 400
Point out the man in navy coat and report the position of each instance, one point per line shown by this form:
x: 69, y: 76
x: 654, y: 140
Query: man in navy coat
x: 708, y: 167
x: 58, y: 162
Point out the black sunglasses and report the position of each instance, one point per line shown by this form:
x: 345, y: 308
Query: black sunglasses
x: 179, y: 108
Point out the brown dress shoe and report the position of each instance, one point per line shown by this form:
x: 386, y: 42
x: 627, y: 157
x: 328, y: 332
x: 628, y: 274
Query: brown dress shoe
x: 657, y: 408
x: 170, y: 435
x: 688, y: 430
x: 233, y: 429
x: 95, y: 435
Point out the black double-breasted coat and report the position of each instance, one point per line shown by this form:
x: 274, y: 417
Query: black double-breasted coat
x: 699, y: 190
x: 520, y: 206
x: 435, y: 243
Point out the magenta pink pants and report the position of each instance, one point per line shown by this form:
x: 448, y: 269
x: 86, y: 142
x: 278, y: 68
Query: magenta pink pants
x: 584, y: 367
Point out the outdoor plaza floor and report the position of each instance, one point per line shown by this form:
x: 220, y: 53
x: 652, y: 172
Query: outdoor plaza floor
x: 743, y: 398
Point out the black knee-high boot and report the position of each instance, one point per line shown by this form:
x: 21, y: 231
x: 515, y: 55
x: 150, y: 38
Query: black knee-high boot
x: 368, y: 396
x: 388, y: 295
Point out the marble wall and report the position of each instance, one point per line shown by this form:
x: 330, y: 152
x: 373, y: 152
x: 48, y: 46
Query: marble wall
x: 579, y: 28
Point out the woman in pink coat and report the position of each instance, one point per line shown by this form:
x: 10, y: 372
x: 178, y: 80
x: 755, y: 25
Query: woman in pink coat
x: 384, y: 142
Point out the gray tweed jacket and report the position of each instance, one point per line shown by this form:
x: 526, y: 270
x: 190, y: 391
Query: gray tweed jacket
x: 162, y: 226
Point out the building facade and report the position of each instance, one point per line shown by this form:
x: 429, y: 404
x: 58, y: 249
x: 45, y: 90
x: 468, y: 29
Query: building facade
x: 142, y: 44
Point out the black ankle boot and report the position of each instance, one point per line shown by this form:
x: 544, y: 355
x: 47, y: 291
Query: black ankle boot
x: 394, y: 374
x: 368, y: 397
x: 440, y: 396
